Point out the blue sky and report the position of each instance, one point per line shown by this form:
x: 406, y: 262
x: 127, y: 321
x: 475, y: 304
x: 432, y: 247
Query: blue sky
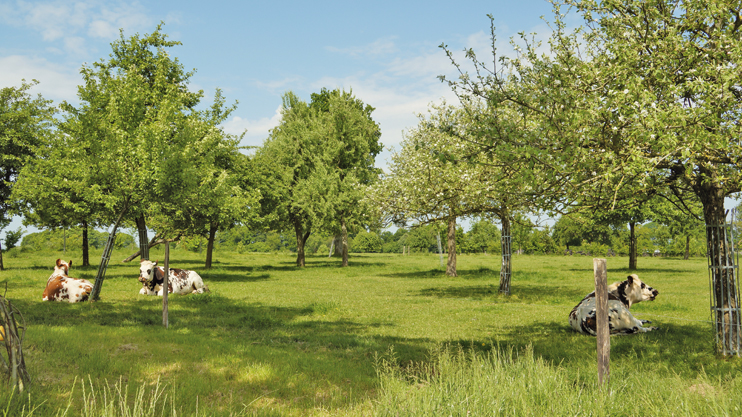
x: 385, y: 51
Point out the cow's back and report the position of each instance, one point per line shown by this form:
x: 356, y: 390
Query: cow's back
x: 63, y: 288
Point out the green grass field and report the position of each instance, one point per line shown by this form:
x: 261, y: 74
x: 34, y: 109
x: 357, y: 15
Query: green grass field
x: 389, y: 335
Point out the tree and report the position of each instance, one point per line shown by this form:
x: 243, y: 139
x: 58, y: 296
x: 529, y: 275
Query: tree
x: 351, y: 143
x: 134, y: 119
x: 51, y: 193
x: 212, y: 189
x: 646, y: 97
x: 424, y: 187
x: 316, y: 165
x: 25, y: 125
x: 291, y: 175
x: 483, y: 235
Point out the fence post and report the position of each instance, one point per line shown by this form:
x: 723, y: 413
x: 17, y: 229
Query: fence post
x: 165, y: 285
x: 601, y: 327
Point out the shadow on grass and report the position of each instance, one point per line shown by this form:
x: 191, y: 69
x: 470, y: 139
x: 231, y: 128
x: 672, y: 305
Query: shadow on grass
x: 216, y: 276
x: 292, y: 342
x: 520, y: 294
x: 466, y: 274
x: 475, y: 291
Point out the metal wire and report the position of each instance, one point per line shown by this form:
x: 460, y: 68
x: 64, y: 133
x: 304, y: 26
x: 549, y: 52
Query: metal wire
x: 506, y: 264
x: 723, y: 263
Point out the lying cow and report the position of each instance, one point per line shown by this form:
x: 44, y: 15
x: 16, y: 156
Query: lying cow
x: 60, y: 287
x: 180, y: 281
x: 621, y: 296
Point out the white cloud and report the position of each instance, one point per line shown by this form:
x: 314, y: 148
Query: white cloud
x: 384, y: 46
x: 257, y: 130
x: 279, y: 86
x: 67, y: 23
x: 55, y: 82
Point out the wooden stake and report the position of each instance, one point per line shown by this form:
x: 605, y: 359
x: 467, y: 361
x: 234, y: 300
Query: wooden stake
x: 165, y: 285
x: 601, y: 315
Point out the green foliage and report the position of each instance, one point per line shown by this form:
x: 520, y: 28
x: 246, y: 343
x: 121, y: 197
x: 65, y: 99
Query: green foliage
x: 314, y: 168
x: 25, y: 125
x: 12, y: 237
x: 367, y: 242
x: 484, y: 237
x: 54, y: 240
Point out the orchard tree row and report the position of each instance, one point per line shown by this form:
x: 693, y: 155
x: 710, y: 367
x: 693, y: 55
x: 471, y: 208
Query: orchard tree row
x: 142, y: 151
x: 635, y: 112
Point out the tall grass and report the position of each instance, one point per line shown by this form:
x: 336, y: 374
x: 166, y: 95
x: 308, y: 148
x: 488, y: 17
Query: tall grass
x: 457, y: 382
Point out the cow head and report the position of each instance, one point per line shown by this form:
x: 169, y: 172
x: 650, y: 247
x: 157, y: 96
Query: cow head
x: 633, y: 290
x: 147, y: 270
x: 63, y: 267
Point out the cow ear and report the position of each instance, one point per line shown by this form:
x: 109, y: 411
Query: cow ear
x: 630, y: 279
x: 59, y: 262
x: 69, y: 263
x: 154, y: 263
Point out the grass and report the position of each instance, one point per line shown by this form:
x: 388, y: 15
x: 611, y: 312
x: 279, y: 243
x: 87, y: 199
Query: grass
x: 274, y: 339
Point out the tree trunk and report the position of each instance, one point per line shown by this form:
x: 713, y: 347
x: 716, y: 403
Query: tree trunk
x: 143, y: 238
x: 1, y: 257
x: 632, y: 246
x: 152, y: 243
x: 451, y: 265
x: 210, y: 246
x: 344, y: 235
x: 687, y: 248
x: 85, y: 245
x: 301, y: 240
x: 725, y: 302
x: 507, y: 254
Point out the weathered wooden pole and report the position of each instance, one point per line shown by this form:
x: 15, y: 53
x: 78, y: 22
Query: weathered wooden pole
x: 603, y: 335
x: 165, y: 284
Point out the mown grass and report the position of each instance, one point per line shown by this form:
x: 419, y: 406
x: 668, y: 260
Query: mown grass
x: 274, y: 339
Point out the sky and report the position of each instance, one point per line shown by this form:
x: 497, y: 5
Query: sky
x: 386, y: 52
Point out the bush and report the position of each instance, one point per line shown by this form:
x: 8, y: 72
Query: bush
x: 367, y: 242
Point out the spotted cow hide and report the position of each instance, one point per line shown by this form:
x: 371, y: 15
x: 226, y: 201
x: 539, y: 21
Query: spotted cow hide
x: 60, y: 287
x: 621, y: 296
x: 180, y: 281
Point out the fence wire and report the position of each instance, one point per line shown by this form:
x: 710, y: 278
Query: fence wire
x: 506, y: 264
x: 723, y: 261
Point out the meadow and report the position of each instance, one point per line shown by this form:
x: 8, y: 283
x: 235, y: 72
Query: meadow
x: 388, y: 335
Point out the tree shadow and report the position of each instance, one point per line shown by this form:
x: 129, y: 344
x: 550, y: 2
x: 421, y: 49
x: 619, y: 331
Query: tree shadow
x: 219, y: 277
x: 478, y: 291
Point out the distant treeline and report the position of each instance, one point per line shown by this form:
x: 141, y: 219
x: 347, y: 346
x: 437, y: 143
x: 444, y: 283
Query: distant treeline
x: 483, y: 237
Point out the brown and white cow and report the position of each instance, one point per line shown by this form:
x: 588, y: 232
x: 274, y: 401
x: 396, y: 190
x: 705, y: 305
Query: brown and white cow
x: 60, y: 287
x: 180, y: 281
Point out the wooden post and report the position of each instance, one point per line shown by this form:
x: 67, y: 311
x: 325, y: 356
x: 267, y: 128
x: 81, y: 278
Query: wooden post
x: 165, y: 284
x: 601, y: 315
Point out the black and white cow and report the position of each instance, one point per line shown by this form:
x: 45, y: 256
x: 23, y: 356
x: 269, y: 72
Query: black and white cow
x: 180, y: 281
x: 621, y: 296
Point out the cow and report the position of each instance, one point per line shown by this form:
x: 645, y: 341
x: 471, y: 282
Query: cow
x: 61, y: 287
x: 621, y: 296
x: 180, y: 281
